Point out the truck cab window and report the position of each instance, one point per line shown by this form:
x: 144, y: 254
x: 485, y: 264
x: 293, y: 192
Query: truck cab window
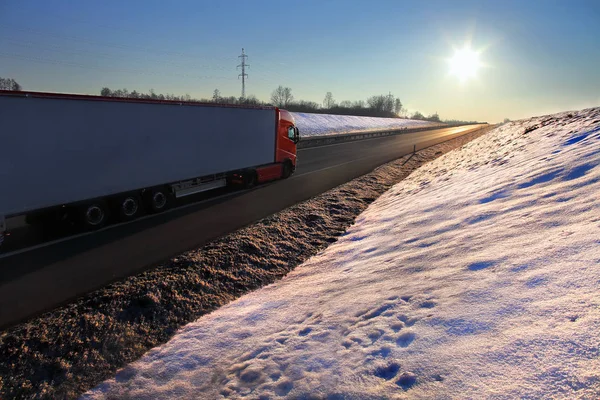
x: 291, y: 133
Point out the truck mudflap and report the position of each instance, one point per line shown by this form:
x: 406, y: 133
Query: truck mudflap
x: 2, y: 229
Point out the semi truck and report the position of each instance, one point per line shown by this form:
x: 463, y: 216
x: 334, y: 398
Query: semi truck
x: 92, y: 159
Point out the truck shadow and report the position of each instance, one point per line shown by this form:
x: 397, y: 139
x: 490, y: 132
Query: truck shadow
x: 15, y: 266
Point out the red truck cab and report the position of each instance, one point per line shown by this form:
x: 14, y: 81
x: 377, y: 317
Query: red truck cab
x: 287, y: 137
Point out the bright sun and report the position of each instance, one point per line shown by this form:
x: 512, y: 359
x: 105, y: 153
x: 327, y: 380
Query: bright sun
x: 464, y: 63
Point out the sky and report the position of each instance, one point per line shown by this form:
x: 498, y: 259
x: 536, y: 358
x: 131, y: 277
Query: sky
x: 537, y: 57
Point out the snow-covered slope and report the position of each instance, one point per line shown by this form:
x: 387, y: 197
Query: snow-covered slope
x: 476, y: 277
x: 328, y: 124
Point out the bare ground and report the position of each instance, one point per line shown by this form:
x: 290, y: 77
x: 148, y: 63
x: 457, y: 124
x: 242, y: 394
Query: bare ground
x: 65, y: 352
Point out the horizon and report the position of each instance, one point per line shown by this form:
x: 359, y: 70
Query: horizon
x: 534, y: 59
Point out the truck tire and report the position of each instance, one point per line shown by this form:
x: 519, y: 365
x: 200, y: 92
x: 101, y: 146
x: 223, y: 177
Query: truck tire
x: 287, y: 170
x: 130, y: 207
x: 158, y: 200
x: 93, y: 215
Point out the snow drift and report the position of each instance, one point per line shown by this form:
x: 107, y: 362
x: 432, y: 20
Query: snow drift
x: 328, y: 124
x: 476, y: 277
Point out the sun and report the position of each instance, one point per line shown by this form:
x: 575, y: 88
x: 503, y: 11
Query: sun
x: 464, y: 63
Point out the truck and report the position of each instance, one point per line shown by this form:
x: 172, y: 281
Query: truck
x: 91, y: 160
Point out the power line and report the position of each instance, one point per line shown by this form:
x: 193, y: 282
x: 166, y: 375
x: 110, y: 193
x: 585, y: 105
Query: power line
x: 243, y: 74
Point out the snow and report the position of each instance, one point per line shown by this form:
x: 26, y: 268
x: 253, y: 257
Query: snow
x: 476, y: 277
x: 328, y: 124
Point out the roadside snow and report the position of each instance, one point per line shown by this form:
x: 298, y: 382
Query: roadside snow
x: 328, y: 124
x: 476, y: 277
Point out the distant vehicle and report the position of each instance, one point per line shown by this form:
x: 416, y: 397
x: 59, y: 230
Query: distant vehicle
x: 82, y: 158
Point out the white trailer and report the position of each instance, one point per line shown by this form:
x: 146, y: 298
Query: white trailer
x: 84, y: 153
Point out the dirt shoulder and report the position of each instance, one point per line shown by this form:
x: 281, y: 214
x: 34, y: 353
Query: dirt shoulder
x: 63, y: 353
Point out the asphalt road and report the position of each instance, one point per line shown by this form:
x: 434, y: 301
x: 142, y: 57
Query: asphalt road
x: 48, y: 275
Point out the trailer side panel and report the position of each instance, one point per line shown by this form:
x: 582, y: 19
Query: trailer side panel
x: 56, y: 151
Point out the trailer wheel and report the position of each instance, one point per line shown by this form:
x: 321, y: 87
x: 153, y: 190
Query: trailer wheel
x: 130, y: 207
x: 93, y: 215
x: 250, y: 179
x: 158, y: 200
x: 287, y: 170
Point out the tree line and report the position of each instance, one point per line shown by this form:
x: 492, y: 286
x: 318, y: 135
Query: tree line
x: 375, y: 106
x: 384, y: 105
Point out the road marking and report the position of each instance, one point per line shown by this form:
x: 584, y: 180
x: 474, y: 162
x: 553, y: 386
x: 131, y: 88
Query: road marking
x: 375, y: 155
x: 333, y: 166
x: 366, y: 139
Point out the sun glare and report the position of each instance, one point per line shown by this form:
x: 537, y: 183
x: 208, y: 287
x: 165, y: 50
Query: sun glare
x: 464, y: 63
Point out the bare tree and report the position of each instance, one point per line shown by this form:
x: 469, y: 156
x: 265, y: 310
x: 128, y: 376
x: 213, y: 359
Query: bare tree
x: 217, y: 95
x: 328, y: 102
x: 282, y: 97
x: 359, y: 104
x: 9, y: 84
x: 378, y: 103
x: 417, y: 115
x: 434, y: 117
x: 250, y: 100
x: 397, y: 106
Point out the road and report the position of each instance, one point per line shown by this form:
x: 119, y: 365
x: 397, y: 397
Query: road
x: 48, y: 275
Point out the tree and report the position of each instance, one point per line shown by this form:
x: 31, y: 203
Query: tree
x: 397, y: 106
x: 249, y: 100
x: 9, y: 84
x: 389, y: 103
x: 328, y: 102
x: 378, y: 103
x: 434, y: 117
x: 217, y: 95
x: 359, y: 104
x: 303, y: 106
x: 506, y: 120
x: 106, y: 92
x: 281, y: 96
x: 417, y: 115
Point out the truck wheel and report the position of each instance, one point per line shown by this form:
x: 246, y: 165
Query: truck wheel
x: 130, y: 207
x: 158, y: 200
x: 93, y: 215
x: 287, y: 170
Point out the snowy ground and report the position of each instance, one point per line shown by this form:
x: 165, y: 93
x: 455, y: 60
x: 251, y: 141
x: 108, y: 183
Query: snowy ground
x: 327, y: 124
x: 476, y: 277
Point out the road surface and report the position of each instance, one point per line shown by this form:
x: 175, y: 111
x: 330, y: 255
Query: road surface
x: 39, y: 279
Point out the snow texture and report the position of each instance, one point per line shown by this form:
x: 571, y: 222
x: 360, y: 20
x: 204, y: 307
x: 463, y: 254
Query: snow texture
x: 476, y: 277
x: 328, y: 124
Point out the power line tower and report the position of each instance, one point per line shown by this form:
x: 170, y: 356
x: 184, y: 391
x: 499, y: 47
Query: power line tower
x: 243, y: 74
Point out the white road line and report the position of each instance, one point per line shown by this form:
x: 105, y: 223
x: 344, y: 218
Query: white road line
x: 363, y: 140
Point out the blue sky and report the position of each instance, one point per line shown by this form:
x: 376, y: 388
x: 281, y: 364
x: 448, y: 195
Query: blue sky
x: 539, y: 56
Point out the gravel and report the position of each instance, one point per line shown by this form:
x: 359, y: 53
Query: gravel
x: 69, y: 350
